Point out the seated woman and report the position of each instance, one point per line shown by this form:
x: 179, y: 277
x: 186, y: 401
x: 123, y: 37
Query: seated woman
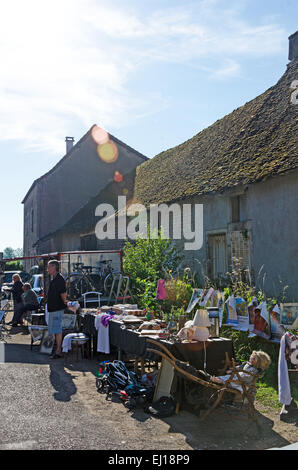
x: 259, y: 361
x: 30, y: 302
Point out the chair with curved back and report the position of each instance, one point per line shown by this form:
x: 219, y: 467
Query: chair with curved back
x: 245, y: 394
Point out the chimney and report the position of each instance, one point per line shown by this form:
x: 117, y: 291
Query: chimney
x: 293, y: 46
x: 69, y: 143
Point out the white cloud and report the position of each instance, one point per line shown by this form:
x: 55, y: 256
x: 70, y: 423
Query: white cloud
x: 70, y: 61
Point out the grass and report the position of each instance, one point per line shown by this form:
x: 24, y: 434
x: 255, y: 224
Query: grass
x: 268, y: 396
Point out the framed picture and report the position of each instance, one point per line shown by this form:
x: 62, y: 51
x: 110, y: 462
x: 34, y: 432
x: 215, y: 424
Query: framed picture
x: 196, y: 296
x: 37, y: 332
x: 289, y: 315
x: 47, y: 343
x: 237, y: 313
x: 2, y: 313
x: 68, y: 321
x: 230, y: 306
x: 262, y: 321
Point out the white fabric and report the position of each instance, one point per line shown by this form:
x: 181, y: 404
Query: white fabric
x: 276, y: 309
x: 284, y: 390
x: 66, y: 344
x: 264, y: 312
x: 103, y: 339
x: 232, y: 308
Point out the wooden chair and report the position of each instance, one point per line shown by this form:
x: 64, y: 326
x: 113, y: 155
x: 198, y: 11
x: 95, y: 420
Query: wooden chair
x: 4, y: 308
x: 246, y: 395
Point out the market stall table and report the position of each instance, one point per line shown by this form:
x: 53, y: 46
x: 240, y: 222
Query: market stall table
x: 132, y: 342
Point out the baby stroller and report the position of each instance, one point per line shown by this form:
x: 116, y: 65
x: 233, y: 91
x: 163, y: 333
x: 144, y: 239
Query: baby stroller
x: 118, y: 380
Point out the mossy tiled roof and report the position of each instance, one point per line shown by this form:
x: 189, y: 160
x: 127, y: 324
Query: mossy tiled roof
x: 254, y: 142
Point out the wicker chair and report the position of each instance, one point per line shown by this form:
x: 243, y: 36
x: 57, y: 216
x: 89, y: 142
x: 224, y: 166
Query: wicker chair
x: 246, y: 395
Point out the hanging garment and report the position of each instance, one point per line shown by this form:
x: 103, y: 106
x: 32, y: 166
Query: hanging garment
x: 105, y: 318
x: 103, y: 338
x: 284, y: 390
x: 161, y: 293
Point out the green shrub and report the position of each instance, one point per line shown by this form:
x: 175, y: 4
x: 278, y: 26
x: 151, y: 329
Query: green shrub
x: 150, y: 258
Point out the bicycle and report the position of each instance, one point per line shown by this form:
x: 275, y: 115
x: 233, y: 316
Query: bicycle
x: 88, y: 278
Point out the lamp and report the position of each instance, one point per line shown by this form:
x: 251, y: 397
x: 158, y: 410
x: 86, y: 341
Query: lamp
x: 201, y: 323
x: 201, y: 318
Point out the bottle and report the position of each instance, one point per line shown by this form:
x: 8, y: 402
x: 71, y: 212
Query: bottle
x: 172, y: 324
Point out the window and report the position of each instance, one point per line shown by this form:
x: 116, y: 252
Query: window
x: 235, y: 206
x: 240, y: 249
x: 218, y: 265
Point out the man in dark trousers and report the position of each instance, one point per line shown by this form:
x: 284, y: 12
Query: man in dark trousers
x: 30, y: 302
x: 56, y: 304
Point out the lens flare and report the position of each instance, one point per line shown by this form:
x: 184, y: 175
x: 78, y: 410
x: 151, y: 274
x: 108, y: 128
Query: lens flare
x: 108, y: 152
x: 100, y: 136
x: 118, y: 177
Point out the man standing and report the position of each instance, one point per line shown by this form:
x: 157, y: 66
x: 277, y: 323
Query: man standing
x: 56, y: 304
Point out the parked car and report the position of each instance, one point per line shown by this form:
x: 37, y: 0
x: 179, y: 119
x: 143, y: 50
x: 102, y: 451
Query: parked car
x: 7, y: 282
x: 37, y: 285
x: 36, y: 282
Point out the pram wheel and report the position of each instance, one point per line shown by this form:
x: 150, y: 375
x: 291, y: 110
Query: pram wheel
x: 101, y: 385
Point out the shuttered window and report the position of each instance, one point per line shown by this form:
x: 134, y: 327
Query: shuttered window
x: 218, y: 265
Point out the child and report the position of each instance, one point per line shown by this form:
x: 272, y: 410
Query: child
x: 259, y: 361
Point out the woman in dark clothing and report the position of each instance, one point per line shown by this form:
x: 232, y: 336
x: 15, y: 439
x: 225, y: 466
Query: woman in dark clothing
x: 17, y: 291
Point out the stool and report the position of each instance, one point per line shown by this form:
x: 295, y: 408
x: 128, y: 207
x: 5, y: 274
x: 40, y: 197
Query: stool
x: 79, y: 344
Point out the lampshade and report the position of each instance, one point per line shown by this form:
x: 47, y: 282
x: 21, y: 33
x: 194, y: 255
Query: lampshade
x: 201, y: 318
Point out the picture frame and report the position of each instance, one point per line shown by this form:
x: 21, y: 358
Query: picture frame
x: 37, y: 332
x: 289, y: 315
x: 69, y: 321
x: 196, y: 296
x: 237, y: 313
x: 47, y: 343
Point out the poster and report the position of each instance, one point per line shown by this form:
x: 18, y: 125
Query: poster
x: 196, y: 296
x: 261, y: 321
x: 68, y: 321
x: 289, y: 316
x: 47, y: 343
x: 276, y: 329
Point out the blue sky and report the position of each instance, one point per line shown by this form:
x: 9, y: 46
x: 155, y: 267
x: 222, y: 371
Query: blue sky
x: 151, y: 72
